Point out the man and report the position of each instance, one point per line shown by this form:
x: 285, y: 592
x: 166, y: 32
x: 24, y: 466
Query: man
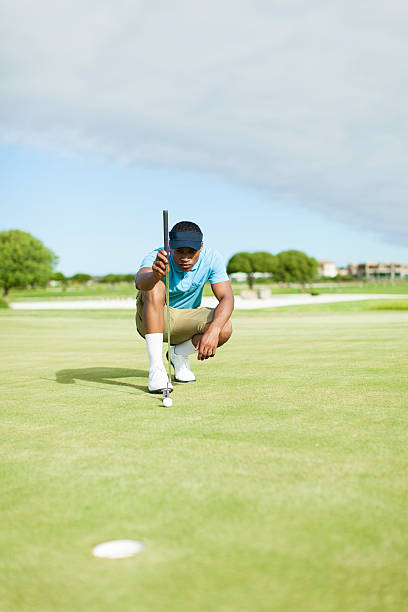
x: 191, y: 328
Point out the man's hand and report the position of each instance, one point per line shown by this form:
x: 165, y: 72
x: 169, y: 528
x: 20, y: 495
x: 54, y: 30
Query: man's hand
x: 159, y: 266
x: 208, y: 344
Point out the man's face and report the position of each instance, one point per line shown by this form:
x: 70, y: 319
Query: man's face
x: 186, y: 257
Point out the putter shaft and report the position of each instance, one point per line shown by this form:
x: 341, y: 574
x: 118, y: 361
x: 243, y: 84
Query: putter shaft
x: 167, y: 249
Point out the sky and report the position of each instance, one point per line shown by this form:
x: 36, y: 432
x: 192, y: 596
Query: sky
x: 272, y: 124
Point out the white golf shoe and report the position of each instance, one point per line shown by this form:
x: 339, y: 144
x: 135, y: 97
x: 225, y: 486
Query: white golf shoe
x: 158, y: 380
x: 181, y: 365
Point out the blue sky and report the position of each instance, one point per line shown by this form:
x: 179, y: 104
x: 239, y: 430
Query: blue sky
x: 102, y: 216
x: 274, y: 125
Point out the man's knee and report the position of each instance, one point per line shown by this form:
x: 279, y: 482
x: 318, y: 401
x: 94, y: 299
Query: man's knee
x: 157, y: 295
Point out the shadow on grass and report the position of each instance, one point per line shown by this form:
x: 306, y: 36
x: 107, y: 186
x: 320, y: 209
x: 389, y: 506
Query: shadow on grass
x: 107, y: 376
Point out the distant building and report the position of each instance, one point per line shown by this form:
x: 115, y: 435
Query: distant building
x: 327, y: 269
x: 240, y: 277
x: 342, y: 272
x: 378, y: 270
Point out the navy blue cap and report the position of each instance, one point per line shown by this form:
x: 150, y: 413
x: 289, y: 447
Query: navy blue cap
x: 186, y: 239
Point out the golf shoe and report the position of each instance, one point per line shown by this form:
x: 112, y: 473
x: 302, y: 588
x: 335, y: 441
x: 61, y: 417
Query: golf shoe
x: 181, y: 365
x: 158, y: 380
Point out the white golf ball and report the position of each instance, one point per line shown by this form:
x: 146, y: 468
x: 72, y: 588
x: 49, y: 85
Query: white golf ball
x: 167, y: 401
x: 118, y: 549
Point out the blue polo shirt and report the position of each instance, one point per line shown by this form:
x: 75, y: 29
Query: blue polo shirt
x: 186, y: 288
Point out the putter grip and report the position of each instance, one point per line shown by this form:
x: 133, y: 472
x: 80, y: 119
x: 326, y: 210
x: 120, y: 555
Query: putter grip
x: 166, y: 230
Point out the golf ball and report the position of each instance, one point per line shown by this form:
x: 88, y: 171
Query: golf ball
x: 167, y: 401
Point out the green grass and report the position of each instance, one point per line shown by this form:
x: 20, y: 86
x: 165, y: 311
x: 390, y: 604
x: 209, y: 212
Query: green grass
x: 124, y: 290
x: 335, y: 307
x: 392, y: 305
x: 276, y: 482
x: 388, y: 287
x: 121, y: 290
x: 368, y: 287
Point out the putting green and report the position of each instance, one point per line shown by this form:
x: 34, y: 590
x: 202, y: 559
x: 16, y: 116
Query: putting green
x: 276, y: 482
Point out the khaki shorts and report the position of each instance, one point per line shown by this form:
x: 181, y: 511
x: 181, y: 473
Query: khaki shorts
x: 184, y: 322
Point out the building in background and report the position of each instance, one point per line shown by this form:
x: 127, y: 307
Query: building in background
x: 343, y: 272
x: 327, y: 269
x: 374, y: 270
x: 241, y: 277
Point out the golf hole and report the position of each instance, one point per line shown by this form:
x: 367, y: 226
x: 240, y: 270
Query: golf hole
x: 118, y: 549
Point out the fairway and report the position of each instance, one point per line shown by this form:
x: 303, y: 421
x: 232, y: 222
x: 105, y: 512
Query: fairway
x: 278, y: 481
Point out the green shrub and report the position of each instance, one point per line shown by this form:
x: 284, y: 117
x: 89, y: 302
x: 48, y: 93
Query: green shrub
x: 314, y: 293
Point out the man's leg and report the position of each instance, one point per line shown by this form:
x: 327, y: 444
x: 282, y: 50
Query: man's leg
x: 225, y: 334
x: 181, y: 352
x: 153, y: 323
x: 188, y: 347
x: 153, y: 305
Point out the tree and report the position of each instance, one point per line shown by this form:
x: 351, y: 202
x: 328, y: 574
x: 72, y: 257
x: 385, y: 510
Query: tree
x: 24, y: 260
x: 60, y: 277
x: 129, y: 278
x: 81, y: 278
x: 110, y: 278
x: 249, y: 263
x: 295, y: 266
x: 117, y: 278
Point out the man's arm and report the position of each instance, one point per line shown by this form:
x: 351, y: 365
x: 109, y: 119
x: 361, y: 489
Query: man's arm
x: 222, y: 314
x: 209, y: 341
x: 146, y: 278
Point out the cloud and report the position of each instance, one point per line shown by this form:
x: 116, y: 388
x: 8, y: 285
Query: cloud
x: 307, y: 101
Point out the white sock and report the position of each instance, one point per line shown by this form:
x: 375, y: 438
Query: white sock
x: 185, y: 348
x: 154, y: 343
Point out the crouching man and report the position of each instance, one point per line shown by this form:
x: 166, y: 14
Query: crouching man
x: 192, y: 328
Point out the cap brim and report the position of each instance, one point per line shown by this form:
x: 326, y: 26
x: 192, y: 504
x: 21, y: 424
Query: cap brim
x: 192, y: 244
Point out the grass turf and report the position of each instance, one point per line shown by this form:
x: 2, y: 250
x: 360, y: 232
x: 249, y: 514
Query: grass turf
x: 276, y: 482
x: 330, y: 308
x: 126, y: 290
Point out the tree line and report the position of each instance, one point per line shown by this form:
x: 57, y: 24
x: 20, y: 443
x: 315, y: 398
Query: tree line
x: 82, y: 278
x: 287, y: 266
x: 25, y: 261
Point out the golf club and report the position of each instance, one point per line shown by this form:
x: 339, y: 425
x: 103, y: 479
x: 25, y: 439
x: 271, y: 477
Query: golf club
x: 167, y: 401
